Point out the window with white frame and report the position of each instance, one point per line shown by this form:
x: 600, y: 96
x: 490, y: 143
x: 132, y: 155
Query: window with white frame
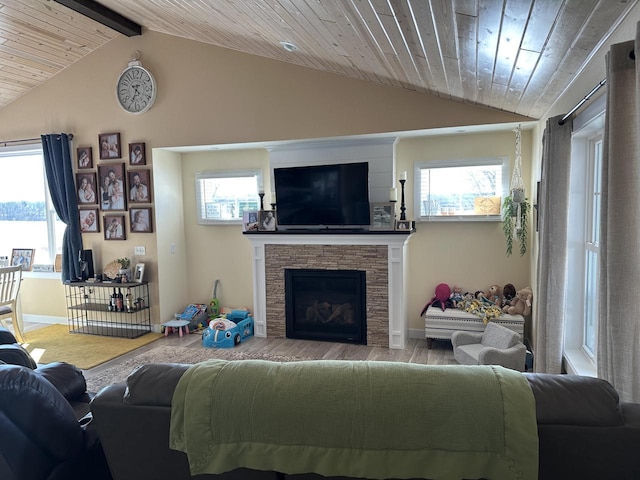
x: 582, y: 310
x: 27, y: 217
x: 469, y: 189
x: 222, y: 197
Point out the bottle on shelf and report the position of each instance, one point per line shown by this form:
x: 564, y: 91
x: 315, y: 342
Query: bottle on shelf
x: 129, y: 301
x: 119, y: 301
x: 114, y: 304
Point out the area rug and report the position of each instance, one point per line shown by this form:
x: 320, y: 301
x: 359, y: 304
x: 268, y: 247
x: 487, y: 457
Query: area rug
x: 162, y: 354
x: 56, y: 344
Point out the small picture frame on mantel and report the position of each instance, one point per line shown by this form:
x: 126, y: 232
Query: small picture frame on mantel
x: 382, y: 216
x: 403, y: 225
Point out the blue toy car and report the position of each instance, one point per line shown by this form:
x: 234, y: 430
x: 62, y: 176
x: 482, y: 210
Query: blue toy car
x: 228, y: 332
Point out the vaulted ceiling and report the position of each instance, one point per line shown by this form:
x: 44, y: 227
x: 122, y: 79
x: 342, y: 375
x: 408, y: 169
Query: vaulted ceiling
x: 512, y: 55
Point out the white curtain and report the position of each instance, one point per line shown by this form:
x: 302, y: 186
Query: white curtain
x: 552, y: 253
x: 619, y: 320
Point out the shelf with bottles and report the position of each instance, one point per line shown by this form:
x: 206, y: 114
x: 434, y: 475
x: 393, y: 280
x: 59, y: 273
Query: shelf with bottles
x: 112, y: 309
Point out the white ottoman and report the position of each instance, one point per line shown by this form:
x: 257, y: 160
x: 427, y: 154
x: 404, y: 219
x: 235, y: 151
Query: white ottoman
x: 440, y: 325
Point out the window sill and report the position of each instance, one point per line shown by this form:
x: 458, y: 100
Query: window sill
x: 462, y: 218
x: 579, y: 363
x: 43, y: 275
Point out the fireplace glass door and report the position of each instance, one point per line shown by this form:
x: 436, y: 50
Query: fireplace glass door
x: 326, y: 305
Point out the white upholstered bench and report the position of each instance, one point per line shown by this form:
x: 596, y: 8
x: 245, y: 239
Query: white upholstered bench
x: 440, y: 325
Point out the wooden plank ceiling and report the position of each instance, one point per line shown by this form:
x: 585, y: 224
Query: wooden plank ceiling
x: 512, y: 55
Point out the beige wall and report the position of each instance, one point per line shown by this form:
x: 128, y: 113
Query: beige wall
x: 219, y: 252
x: 471, y: 254
x: 209, y: 95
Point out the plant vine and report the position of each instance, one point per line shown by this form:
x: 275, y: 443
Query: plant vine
x: 509, y: 222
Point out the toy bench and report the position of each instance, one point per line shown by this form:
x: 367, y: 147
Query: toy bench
x: 440, y: 325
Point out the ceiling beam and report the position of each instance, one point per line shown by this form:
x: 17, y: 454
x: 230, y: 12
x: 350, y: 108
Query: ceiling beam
x: 104, y: 15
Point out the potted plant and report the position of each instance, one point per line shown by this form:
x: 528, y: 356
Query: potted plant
x: 125, y: 264
x: 515, y: 223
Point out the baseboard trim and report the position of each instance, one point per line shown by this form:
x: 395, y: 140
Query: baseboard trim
x: 416, y: 333
x: 44, y: 319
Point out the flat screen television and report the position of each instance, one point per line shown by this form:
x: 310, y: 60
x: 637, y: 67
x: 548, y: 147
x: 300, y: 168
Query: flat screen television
x: 323, y: 196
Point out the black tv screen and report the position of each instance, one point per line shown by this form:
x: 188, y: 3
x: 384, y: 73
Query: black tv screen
x: 323, y: 195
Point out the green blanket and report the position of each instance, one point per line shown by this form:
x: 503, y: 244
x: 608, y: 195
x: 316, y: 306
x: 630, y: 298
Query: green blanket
x: 356, y: 419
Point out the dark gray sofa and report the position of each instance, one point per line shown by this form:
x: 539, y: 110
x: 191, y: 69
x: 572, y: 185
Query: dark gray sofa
x: 584, y: 431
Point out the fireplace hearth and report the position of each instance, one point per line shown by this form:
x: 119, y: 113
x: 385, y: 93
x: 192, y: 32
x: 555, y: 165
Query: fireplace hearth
x: 326, y: 305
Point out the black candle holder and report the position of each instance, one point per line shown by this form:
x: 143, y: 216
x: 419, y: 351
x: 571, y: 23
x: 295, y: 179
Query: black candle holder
x: 273, y: 206
x: 261, y: 195
x: 403, y: 216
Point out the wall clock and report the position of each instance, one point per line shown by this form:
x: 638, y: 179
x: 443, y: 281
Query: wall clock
x: 136, y: 88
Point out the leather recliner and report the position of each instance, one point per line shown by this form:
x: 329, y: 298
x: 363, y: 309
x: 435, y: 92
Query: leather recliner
x: 47, y: 428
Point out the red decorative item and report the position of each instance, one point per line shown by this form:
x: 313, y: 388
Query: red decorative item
x: 443, y: 291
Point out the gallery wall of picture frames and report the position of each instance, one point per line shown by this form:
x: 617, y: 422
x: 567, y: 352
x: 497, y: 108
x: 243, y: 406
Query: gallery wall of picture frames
x: 106, y: 191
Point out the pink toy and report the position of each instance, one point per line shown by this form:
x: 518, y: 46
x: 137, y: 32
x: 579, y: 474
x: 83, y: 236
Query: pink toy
x: 443, y: 291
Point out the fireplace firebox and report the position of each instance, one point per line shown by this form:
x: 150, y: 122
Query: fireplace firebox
x: 327, y: 305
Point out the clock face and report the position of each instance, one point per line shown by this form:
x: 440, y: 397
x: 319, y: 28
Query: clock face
x: 136, y: 90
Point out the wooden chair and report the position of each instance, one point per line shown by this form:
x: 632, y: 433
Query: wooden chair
x: 10, y: 280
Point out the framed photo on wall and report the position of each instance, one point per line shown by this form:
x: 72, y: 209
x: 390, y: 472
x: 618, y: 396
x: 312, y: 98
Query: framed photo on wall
x: 139, y: 184
x: 112, y: 187
x: 140, y: 220
x: 89, y: 220
x: 137, y: 155
x: 86, y: 188
x: 382, y: 216
x: 85, y: 157
x: 109, y: 146
x: 114, y: 227
x: 23, y: 257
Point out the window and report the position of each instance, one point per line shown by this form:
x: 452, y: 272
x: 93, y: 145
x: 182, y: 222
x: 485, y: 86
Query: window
x: 27, y: 217
x: 580, y: 343
x: 592, y: 245
x: 221, y: 197
x: 461, y: 189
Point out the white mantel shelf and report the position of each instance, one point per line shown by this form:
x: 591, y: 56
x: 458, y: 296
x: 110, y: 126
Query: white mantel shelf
x: 396, y: 242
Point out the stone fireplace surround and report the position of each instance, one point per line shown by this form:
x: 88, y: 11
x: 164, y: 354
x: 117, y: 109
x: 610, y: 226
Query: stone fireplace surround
x: 382, y: 255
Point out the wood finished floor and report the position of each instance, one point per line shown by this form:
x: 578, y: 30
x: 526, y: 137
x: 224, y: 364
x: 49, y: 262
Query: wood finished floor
x: 441, y: 352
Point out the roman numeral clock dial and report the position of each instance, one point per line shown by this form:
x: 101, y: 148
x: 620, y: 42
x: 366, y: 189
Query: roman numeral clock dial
x: 136, y: 88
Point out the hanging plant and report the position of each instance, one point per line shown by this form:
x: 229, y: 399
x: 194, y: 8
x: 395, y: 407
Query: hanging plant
x: 514, y: 223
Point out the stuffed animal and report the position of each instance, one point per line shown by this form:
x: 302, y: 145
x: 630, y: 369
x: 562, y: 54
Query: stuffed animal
x: 508, y: 293
x: 440, y: 299
x: 521, y: 303
x: 494, y: 295
x: 456, y: 296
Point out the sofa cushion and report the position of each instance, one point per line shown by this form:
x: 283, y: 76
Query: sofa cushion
x: 153, y: 384
x: 498, y: 336
x: 6, y: 337
x: 468, y: 354
x: 574, y: 400
x: 68, y: 379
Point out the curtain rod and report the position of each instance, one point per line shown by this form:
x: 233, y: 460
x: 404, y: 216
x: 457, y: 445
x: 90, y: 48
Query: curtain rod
x: 26, y: 140
x: 581, y: 102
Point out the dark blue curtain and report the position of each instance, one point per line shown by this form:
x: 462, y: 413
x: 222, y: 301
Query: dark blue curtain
x: 59, y: 167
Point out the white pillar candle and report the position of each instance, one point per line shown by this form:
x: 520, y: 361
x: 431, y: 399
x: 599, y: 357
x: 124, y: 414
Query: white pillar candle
x: 273, y: 197
x: 393, y: 194
x: 403, y: 175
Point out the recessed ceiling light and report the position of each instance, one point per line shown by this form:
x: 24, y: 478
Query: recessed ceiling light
x: 288, y: 46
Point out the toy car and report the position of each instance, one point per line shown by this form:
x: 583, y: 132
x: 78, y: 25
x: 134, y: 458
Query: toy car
x: 225, y: 333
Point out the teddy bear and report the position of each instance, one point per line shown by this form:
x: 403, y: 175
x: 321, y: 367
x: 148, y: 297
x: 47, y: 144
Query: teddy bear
x: 508, y: 293
x: 494, y: 295
x: 521, y: 303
